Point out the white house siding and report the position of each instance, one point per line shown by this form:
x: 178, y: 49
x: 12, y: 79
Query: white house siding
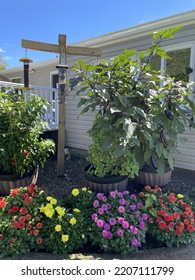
x: 139, y: 38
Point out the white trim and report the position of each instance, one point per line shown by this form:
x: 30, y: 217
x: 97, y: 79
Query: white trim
x: 17, y: 77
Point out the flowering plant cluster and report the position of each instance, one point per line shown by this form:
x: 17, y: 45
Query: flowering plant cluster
x: 21, y: 127
x: 119, y: 222
x: 20, y: 220
x: 171, y: 216
x: 66, y: 227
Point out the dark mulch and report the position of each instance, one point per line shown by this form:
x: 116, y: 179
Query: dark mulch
x: 182, y: 181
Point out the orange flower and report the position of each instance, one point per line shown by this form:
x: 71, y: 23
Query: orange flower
x: 148, y: 188
x: 141, y: 194
x: 36, y: 232
x: 39, y: 240
x: 39, y: 225
x: 28, y: 217
x: 151, y: 221
x: 2, y: 203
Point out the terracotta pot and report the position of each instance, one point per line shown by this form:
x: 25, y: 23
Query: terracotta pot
x: 149, y: 177
x: 106, y: 184
x: 8, y: 182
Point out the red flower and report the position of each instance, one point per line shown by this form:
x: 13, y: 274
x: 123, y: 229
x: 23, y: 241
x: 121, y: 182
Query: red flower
x: 25, y: 153
x: 14, y: 191
x: 167, y: 218
x: 171, y: 224
x: 15, y: 224
x: 28, y: 200
x: 39, y: 240
x: 1, y: 236
x: 179, y: 232
x: 39, y: 225
x: 31, y: 188
x: 185, y: 214
x: 158, y: 219
x: 190, y: 228
x: 22, y: 219
x: 162, y: 225
x: 186, y: 222
x: 21, y: 225
x: 28, y: 217
x: 191, y: 221
x: 2, y: 203
x: 151, y: 221
x: 26, y: 195
x: 23, y: 211
x: 13, y: 163
x: 176, y: 215
x: 15, y: 209
x: 181, y: 225
x: 29, y: 226
x: 172, y: 198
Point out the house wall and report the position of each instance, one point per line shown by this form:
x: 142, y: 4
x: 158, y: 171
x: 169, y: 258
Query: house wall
x: 76, y: 128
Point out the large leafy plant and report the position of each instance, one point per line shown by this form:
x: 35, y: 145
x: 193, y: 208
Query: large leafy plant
x: 143, y: 111
x: 21, y: 125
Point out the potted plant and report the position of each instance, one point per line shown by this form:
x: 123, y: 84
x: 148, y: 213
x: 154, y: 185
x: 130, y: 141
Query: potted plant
x: 21, y: 147
x: 140, y: 111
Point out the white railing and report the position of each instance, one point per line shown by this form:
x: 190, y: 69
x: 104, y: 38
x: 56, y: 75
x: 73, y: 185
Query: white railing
x: 51, y: 94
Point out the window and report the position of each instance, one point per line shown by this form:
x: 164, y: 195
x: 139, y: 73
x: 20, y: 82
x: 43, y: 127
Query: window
x: 16, y: 80
x: 178, y: 64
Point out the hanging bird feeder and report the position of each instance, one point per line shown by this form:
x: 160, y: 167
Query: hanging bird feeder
x: 26, y: 62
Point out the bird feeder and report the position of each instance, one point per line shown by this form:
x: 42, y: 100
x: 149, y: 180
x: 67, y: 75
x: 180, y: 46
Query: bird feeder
x: 26, y: 62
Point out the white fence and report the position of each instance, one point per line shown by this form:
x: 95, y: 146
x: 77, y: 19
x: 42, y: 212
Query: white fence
x: 51, y: 94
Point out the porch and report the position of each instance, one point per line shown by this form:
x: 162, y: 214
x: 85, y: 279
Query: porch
x: 51, y: 94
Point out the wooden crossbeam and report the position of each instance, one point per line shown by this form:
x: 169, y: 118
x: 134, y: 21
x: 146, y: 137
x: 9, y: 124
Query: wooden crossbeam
x: 45, y: 47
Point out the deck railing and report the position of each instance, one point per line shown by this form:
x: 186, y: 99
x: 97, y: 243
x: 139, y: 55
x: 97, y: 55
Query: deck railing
x: 51, y: 94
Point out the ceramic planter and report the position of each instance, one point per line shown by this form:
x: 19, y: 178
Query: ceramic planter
x: 149, y: 177
x: 106, y: 184
x: 8, y: 182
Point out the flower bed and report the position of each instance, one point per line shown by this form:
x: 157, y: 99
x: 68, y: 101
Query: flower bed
x: 119, y: 223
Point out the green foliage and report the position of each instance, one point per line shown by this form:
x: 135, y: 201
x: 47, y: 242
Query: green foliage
x: 21, y: 147
x: 143, y: 111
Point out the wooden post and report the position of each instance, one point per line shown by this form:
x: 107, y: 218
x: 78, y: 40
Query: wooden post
x: 62, y: 49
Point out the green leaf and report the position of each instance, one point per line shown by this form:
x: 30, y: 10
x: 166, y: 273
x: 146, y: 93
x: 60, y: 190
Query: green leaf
x: 153, y: 212
x: 149, y: 202
x: 147, y: 155
x: 128, y: 127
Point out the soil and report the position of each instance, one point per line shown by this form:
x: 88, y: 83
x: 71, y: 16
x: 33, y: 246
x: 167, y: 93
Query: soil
x: 182, y: 181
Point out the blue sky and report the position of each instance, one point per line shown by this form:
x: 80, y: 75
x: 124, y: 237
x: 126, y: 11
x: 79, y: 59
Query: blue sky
x: 43, y: 20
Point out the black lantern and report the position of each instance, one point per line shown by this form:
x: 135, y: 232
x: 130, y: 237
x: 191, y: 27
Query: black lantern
x: 26, y: 62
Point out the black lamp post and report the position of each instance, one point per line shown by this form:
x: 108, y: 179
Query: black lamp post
x: 26, y: 62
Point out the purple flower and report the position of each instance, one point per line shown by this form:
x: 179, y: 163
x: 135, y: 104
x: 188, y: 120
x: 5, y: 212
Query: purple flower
x: 120, y: 220
x: 136, y: 214
x: 100, y: 223
x: 135, y: 242
x: 104, y: 207
x: 108, y: 206
x: 139, y: 205
x: 133, y: 229
x: 100, y: 195
x: 95, y: 203
x: 106, y: 226
x: 120, y: 194
x: 94, y: 216
x: 113, y: 194
x: 133, y: 207
x: 112, y: 221
x: 125, y: 224
x: 125, y: 192
x: 109, y: 235
x: 104, y: 233
x: 104, y: 198
x: 141, y: 225
x: 100, y: 211
x: 121, y: 209
x: 133, y: 196
x: 120, y: 232
x: 144, y: 216
x: 122, y: 201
